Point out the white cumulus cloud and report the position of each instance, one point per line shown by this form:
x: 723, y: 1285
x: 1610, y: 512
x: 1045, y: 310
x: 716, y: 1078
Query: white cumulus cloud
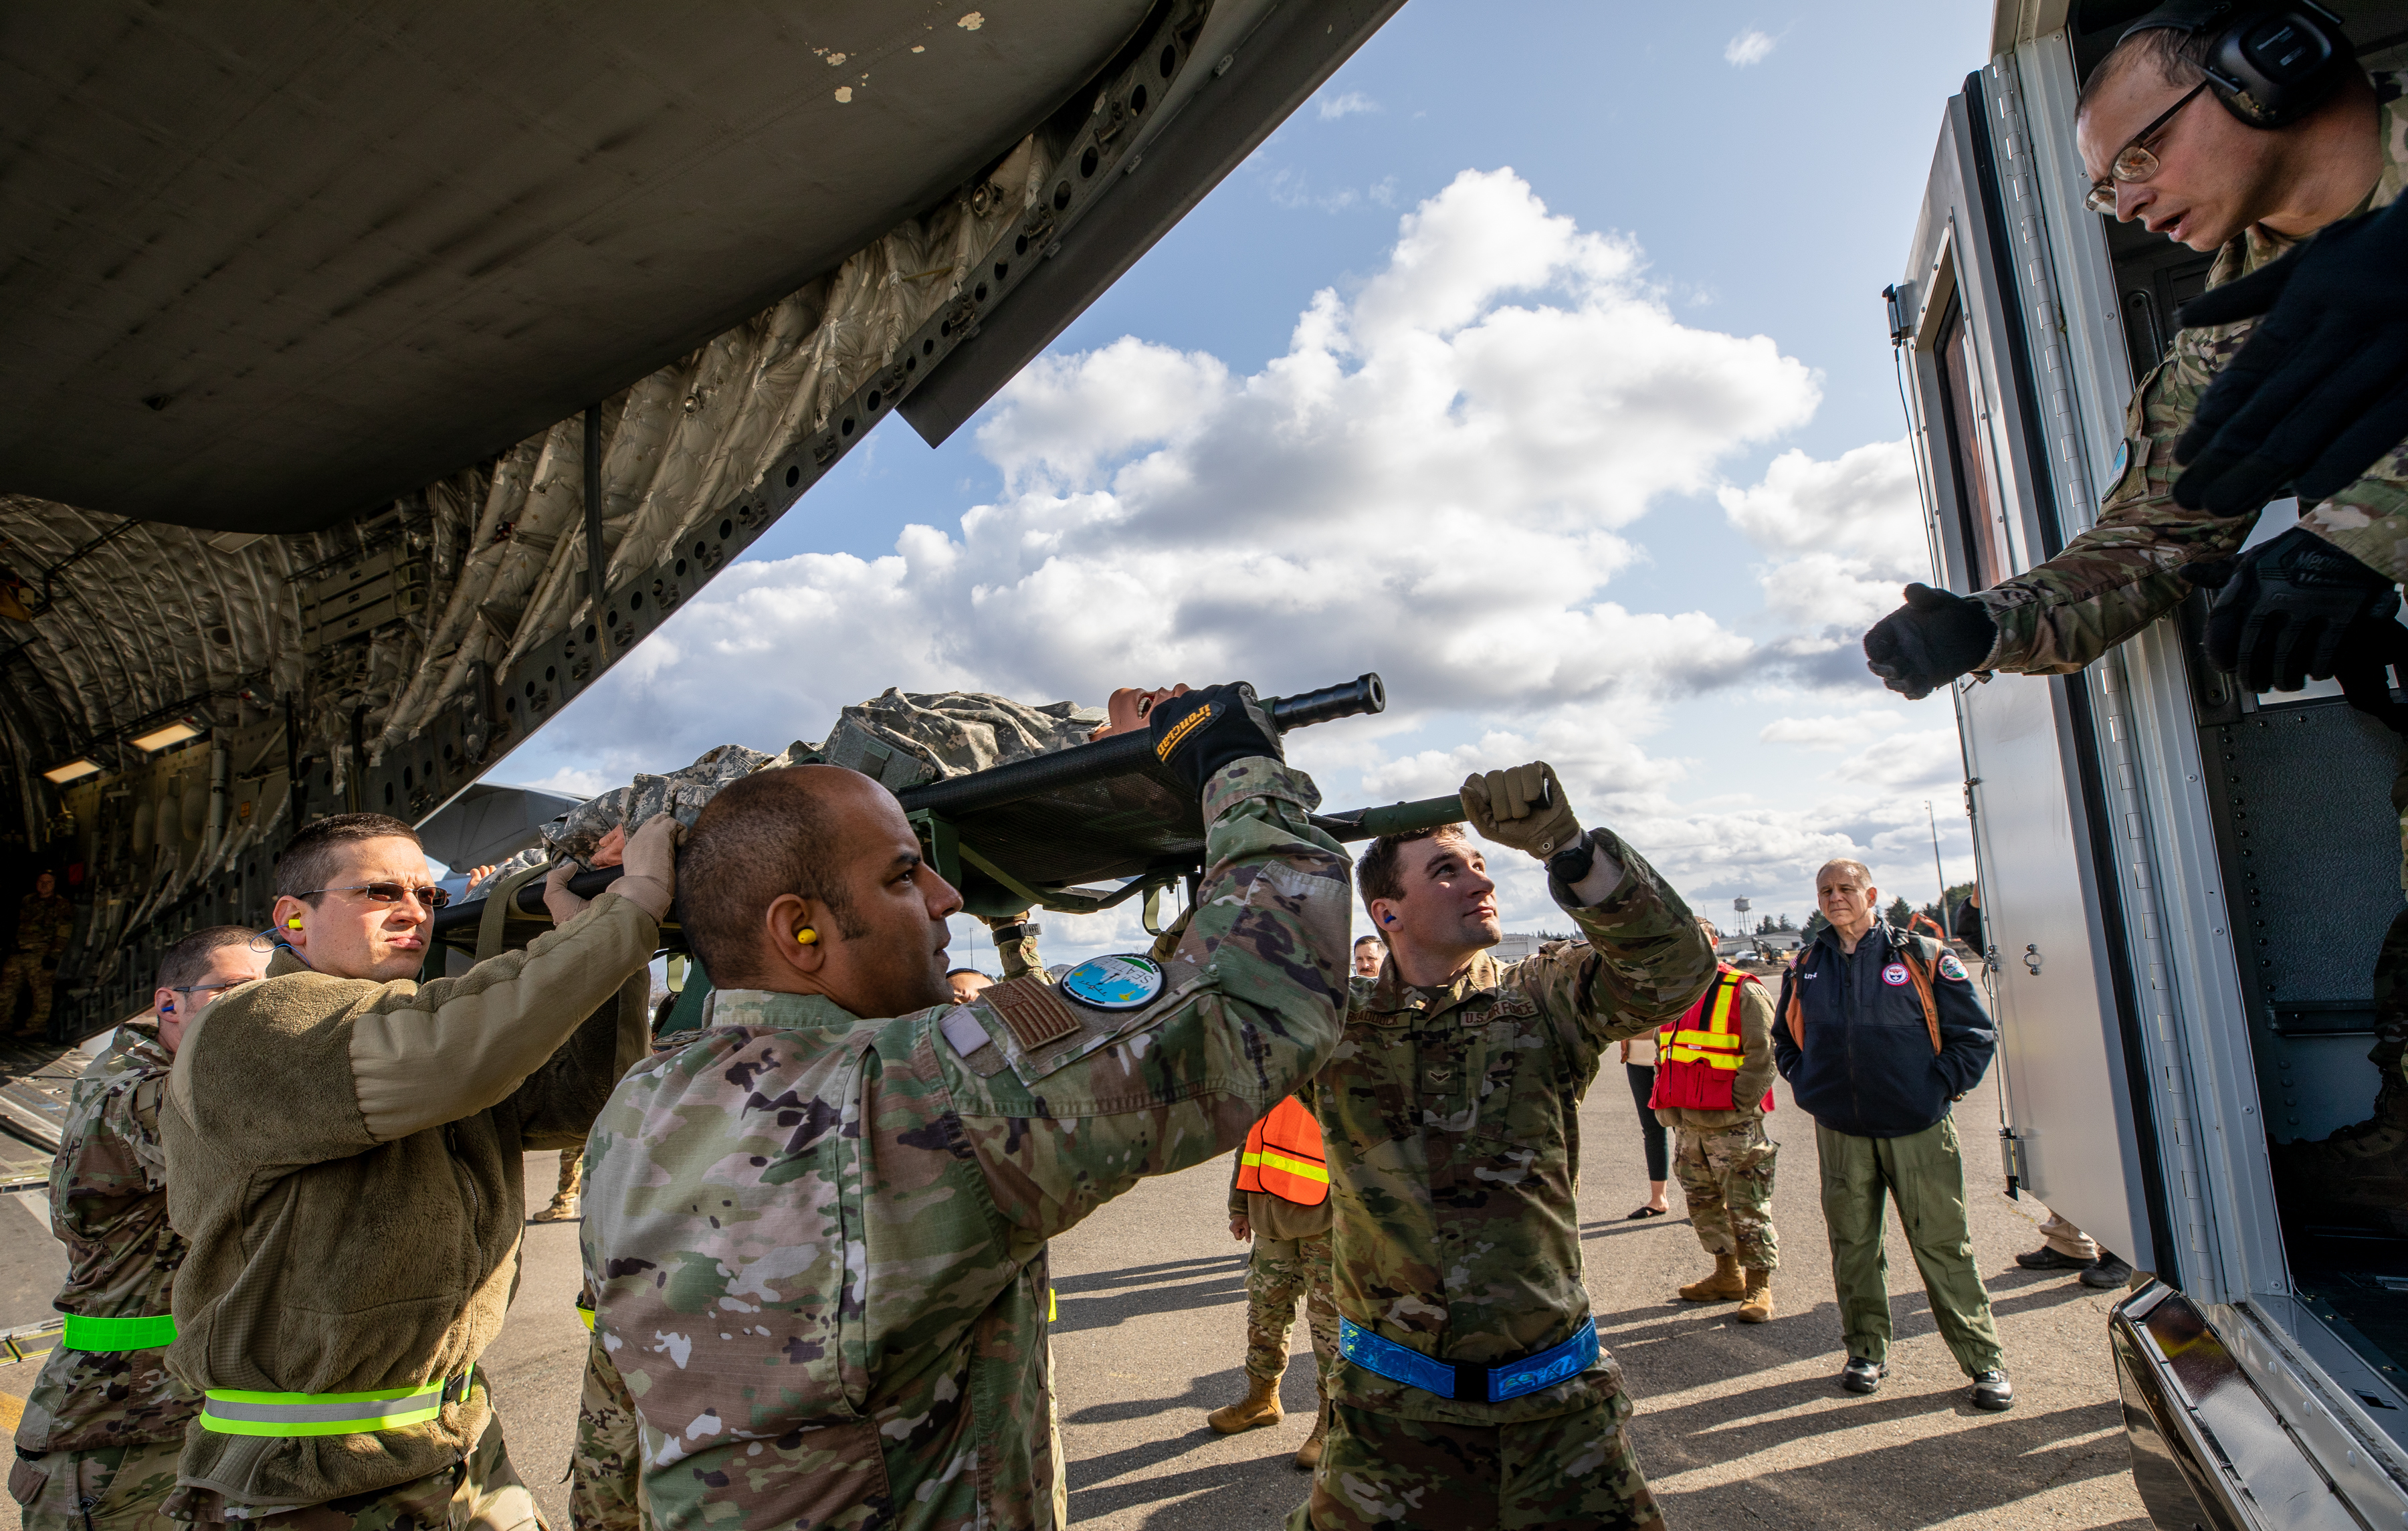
x: 1333, y: 106
x: 1441, y: 479
x: 1751, y: 45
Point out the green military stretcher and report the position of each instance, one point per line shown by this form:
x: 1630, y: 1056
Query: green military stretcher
x: 1077, y: 831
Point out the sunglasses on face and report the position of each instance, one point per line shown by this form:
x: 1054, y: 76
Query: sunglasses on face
x: 208, y: 988
x: 392, y: 893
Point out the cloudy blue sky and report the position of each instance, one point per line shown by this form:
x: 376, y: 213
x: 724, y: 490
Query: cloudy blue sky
x: 1537, y: 364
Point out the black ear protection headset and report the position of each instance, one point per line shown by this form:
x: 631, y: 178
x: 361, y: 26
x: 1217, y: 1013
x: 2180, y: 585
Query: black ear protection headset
x: 2270, y: 64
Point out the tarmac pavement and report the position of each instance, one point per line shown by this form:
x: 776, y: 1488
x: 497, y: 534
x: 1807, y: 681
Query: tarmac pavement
x: 1738, y: 1426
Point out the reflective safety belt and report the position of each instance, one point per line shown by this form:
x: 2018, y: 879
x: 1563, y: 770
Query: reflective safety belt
x: 585, y: 1314
x: 231, y: 1412
x: 1468, y: 1381
x: 118, y: 1334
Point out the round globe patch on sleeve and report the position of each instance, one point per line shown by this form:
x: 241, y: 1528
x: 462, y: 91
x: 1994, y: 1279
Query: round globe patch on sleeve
x: 1894, y: 975
x: 1123, y: 982
x: 1950, y: 968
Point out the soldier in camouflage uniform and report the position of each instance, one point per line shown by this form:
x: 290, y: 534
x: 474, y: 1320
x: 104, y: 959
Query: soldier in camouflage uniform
x: 2134, y: 565
x: 1288, y: 1264
x: 1714, y: 1082
x: 96, y: 1449
x: 44, y: 922
x: 818, y: 1236
x: 1472, y: 1392
x: 605, y: 1461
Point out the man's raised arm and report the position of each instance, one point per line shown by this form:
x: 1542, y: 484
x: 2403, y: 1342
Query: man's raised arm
x: 1645, y: 960
x: 1251, y: 1005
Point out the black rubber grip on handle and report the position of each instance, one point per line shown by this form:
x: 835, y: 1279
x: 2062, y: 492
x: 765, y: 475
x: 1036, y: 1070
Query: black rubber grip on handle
x: 1123, y: 752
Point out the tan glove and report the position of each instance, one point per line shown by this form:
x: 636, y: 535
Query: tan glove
x: 651, y: 876
x: 1522, y: 806
x: 564, y: 906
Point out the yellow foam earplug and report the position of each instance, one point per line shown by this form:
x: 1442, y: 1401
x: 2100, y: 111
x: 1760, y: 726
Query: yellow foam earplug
x: 807, y: 935
x: 293, y: 923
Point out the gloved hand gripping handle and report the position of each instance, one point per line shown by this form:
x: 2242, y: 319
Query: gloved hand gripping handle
x: 1123, y: 753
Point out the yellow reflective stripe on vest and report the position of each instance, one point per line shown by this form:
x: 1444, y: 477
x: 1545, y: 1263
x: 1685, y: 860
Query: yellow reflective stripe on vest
x: 233, y: 1413
x: 1720, y: 1045
x: 1718, y: 1040
x: 118, y: 1334
x: 1700, y: 1055
x: 1303, y: 1169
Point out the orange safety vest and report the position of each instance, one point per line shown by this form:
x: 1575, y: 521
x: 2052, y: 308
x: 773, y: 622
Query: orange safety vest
x: 1284, y: 1156
x: 1698, y: 1056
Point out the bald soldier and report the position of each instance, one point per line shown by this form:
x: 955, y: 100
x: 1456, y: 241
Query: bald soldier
x: 818, y: 1231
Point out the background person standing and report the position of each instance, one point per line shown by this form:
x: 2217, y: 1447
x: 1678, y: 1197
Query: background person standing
x: 1879, y: 1032
x: 1639, y: 1057
x: 1279, y: 1197
x: 105, y: 1424
x: 44, y: 920
x: 1714, y: 1083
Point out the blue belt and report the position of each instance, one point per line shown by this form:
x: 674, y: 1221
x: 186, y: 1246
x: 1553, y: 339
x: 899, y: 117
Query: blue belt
x: 1468, y: 1381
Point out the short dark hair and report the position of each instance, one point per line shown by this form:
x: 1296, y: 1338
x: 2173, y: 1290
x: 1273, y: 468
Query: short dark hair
x: 1377, y: 874
x: 2179, y: 57
x: 956, y: 972
x: 1369, y: 940
x: 759, y: 837
x: 188, y: 960
x: 314, y: 854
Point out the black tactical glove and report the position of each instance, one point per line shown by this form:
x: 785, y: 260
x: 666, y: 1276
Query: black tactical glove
x: 1929, y: 642
x: 2320, y: 390
x: 2286, y: 609
x: 1197, y: 734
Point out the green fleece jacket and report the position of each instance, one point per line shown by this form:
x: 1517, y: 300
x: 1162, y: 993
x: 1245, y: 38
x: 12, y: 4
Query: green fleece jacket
x: 345, y: 1158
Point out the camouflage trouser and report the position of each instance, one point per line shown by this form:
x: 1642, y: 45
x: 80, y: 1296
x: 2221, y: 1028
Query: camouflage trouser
x: 1574, y: 1472
x: 1278, y: 1272
x: 116, y: 1488
x: 572, y: 1174
x: 25, y: 970
x: 1727, y: 1176
x: 606, y: 1462
x: 481, y: 1493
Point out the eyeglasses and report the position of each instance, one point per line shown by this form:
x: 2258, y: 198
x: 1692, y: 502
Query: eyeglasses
x: 208, y: 988
x: 391, y: 892
x: 2133, y: 162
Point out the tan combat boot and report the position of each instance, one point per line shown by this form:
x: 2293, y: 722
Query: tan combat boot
x: 1259, y: 1407
x: 1724, y: 1285
x: 562, y: 1210
x: 1309, y: 1454
x: 1757, y: 1306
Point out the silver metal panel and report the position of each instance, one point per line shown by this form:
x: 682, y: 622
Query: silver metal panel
x: 2059, y: 1050
x: 2192, y: 1017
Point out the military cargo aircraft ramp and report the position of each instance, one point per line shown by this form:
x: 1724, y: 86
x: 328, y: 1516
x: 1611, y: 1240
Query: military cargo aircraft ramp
x: 345, y: 343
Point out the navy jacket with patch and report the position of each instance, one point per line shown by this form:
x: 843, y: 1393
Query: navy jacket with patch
x: 1867, y: 1068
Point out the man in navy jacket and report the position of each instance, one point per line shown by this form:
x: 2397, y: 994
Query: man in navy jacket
x: 1879, y: 1031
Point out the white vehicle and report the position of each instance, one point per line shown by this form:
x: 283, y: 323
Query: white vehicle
x: 2184, y: 887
